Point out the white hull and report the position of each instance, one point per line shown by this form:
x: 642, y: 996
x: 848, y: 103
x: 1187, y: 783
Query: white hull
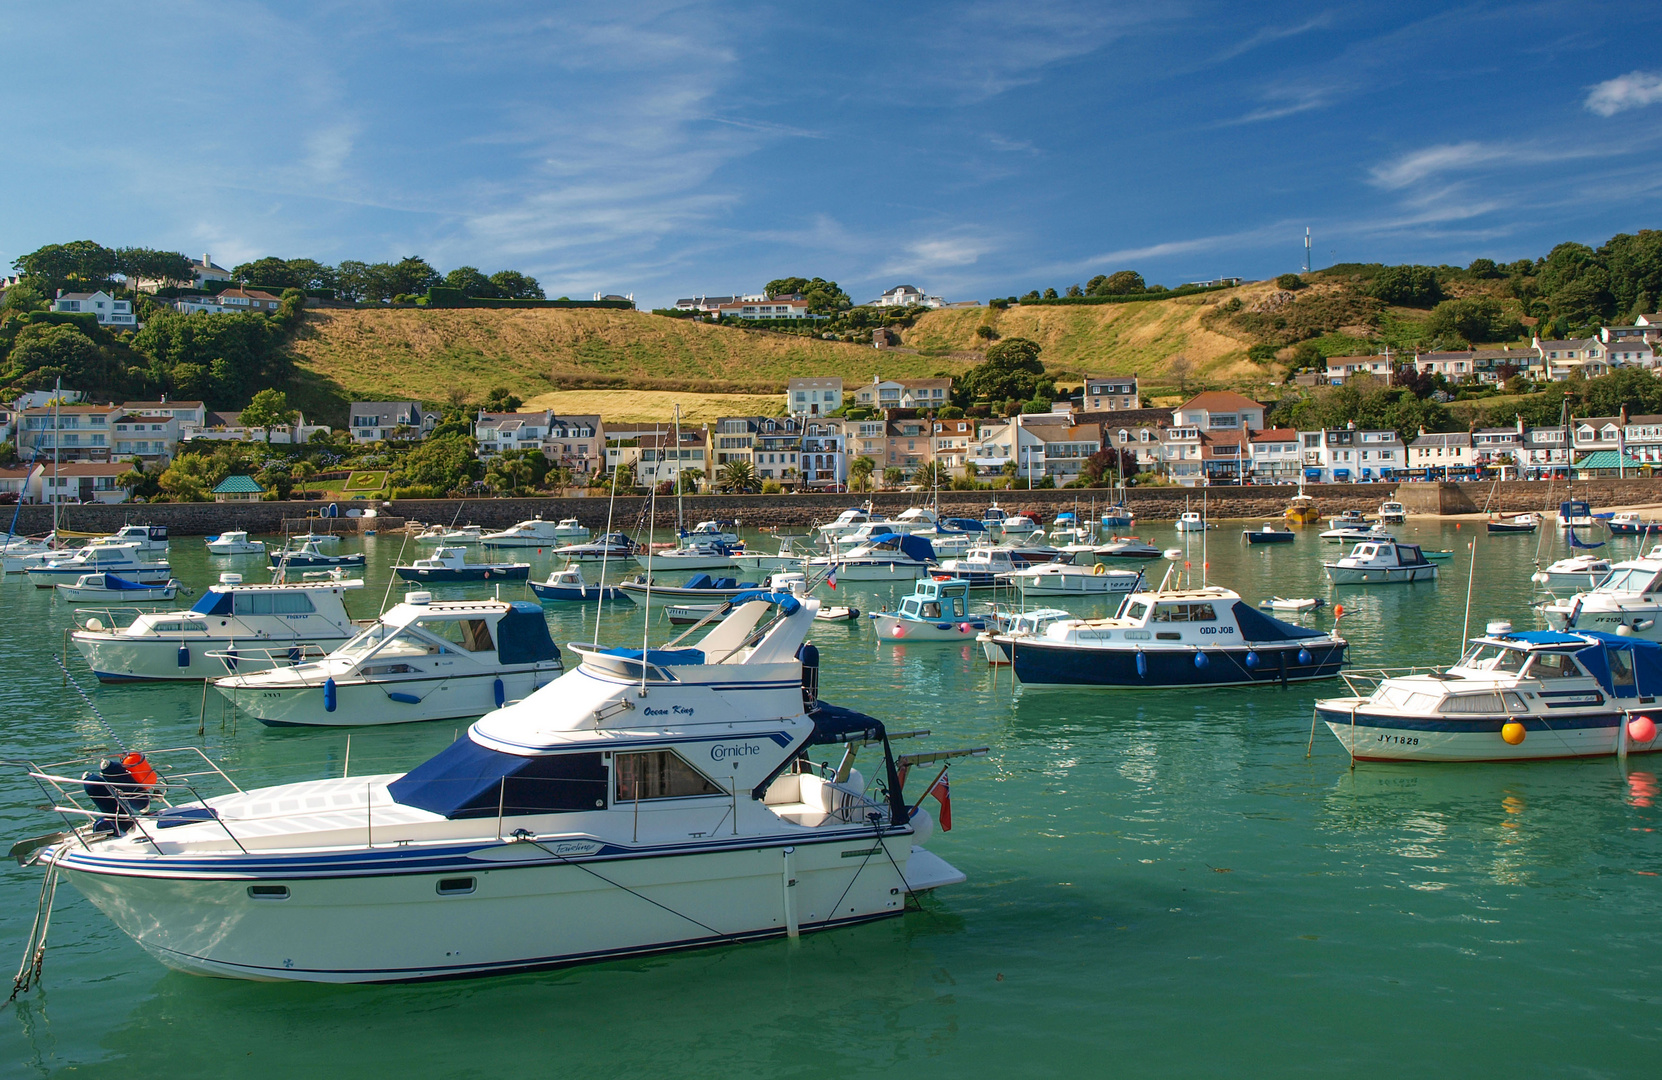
x: 1369, y: 743
x: 887, y: 625
x: 1569, y: 581
x: 521, y: 542
x: 114, y: 658
x: 526, y: 909
x: 255, y: 547
x: 872, y: 571
x: 1387, y: 575
x: 161, y: 594
x: 671, y: 563
x: 768, y: 563
x: 360, y: 704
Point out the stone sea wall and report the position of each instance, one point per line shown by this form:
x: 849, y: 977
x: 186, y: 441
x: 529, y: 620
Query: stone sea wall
x: 801, y: 511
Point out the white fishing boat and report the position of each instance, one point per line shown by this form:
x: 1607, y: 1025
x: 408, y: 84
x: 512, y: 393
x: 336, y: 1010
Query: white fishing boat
x: 149, y: 541
x: 982, y: 567
x: 449, y: 564
x: 885, y: 557
x: 121, y: 646
x: 1575, y: 572
x: 1061, y: 579
x: 309, y: 555
x: 423, y: 660
x: 1627, y: 601
x: 1576, y: 514
x: 1299, y: 605
x: 1351, y: 519
x: 1019, y: 527
x: 1381, y: 562
x: 535, y: 533
x: 123, y: 559
x: 1512, y: 696
x: 793, y: 554
x: 117, y: 588
x: 1191, y: 521
x: 570, y: 530
x: 639, y: 803
x: 452, y: 537
x: 1016, y: 625
x: 234, y: 542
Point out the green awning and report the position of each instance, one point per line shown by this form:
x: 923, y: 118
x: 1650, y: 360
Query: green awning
x: 1606, y: 459
x: 245, y: 485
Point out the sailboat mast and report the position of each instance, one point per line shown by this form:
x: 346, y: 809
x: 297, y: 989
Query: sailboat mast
x: 680, y: 518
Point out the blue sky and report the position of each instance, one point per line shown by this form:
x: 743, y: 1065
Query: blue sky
x: 973, y: 149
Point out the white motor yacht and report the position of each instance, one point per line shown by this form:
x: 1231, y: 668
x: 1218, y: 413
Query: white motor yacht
x: 234, y: 542
x: 885, y: 557
x: 1381, y: 562
x: 264, y: 625
x: 691, y: 555
x: 1575, y: 572
x: 150, y: 541
x: 535, y: 533
x: 642, y: 802
x: 1627, y: 601
x: 1063, y: 579
x: 1392, y: 512
x: 847, y: 521
x: 422, y: 660
x: 982, y: 567
x: 713, y: 530
x: 1019, y: 527
x: 123, y: 559
x: 451, y: 537
x: 611, y: 548
x: 1539, y: 694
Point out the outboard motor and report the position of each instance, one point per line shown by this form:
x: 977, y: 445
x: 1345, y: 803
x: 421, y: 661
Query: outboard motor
x: 809, y: 655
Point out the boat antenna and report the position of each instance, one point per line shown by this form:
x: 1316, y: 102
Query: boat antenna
x: 605, y: 555
x: 394, y: 576
x: 680, y: 518
x: 1471, y: 569
x: 57, y: 441
x: 1205, y: 524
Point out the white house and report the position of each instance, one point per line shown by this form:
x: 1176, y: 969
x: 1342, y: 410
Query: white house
x: 230, y: 302
x: 84, y: 482
x: 1273, y: 455
x: 1180, y: 454
x: 372, y: 421
x: 144, y: 436
x: 813, y: 397
x: 186, y: 412
x: 1346, y: 455
x: 1341, y: 368
x: 72, y: 432
x: 824, y: 462
x: 905, y: 393
x: 907, y: 296
x: 1219, y: 410
x: 116, y: 314
x: 776, y: 307
x: 1115, y: 393
x: 1441, y: 452
x: 21, y: 483
x: 217, y: 428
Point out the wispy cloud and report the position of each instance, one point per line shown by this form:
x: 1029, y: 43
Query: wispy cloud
x: 1634, y: 90
x: 1471, y: 156
x: 1273, y: 33
x: 938, y: 253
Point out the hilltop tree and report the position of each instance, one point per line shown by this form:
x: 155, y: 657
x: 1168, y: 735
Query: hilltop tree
x: 513, y: 285
x: 80, y: 263
x: 1012, y: 369
x: 1406, y: 286
x: 1119, y: 283
x: 823, y: 297
x: 472, y: 282
x: 268, y: 409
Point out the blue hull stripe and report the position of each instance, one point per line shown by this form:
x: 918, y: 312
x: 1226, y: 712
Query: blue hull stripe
x: 1475, y: 724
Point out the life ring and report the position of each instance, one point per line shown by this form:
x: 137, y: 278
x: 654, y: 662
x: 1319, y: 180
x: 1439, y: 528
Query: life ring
x: 1099, y: 569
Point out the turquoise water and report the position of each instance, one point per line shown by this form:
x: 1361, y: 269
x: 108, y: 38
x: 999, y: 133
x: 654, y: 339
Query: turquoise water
x: 1160, y: 883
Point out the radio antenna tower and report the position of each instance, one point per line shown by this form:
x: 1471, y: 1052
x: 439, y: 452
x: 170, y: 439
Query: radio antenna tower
x: 1307, y: 263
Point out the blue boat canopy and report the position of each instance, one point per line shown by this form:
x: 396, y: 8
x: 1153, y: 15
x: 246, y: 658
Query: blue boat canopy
x: 1256, y: 626
x: 915, y: 546
x: 120, y: 584
x: 522, y: 635
x: 466, y: 780
x: 787, y: 603
x: 213, y: 602
x: 1624, y: 666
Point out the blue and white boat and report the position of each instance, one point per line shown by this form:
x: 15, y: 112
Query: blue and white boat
x: 884, y: 557
x: 568, y: 586
x: 1174, y: 638
x: 123, y: 559
x: 117, y: 588
x: 935, y: 611
x: 640, y: 803
x: 1512, y: 696
x: 450, y: 564
x: 307, y: 556
x: 1117, y: 516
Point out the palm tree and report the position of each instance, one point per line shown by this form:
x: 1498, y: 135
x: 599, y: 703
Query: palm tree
x: 558, y: 478
x: 893, y: 476
x: 688, y: 480
x: 738, y: 476
x: 931, y: 475
x: 859, y: 472
x: 302, y: 470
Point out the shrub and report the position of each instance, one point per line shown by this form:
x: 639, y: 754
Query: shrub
x: 771, y: 487
x: 1406, y: 286
x: 1290, y: 282
x: 417, y: 491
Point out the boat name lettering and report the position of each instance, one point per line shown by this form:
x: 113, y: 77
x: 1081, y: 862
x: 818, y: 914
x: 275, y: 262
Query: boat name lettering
x: 719, y: 752
x: 1217, y: 629
x: 679, y: 710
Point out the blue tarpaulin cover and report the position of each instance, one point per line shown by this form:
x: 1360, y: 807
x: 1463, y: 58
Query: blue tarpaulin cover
x: 522, y: 635
x: 1256, y: 626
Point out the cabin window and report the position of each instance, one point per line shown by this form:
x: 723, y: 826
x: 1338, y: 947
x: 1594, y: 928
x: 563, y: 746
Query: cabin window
x: 931, y: 611
x: 179, y: 628
x: 273, y: 603
x: 659, y: 774
x: 474, y: 635
x: 1135, y: 610
x: 1621, y: 666
x: 1472, y: 703
x: 1554, y: 666
x: 455, y: 886
x: 1185, y: 613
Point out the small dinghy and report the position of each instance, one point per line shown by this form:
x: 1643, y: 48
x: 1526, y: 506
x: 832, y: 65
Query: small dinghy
x: 838, y: 614
x: 115, y: 587
x: 1269, y: 534
x: 1518, y: 523
x: 1300, y: 604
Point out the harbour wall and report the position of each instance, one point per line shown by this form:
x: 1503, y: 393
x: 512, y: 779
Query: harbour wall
x: 800, y: 511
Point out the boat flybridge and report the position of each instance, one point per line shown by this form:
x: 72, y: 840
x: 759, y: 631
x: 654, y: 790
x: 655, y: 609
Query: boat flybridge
x: 535, y: 533
x: 883, y: 557
x: 423, y: 660
x: 151, y: 540
x: 1626, y: 601
x: 232, y: 627
x: 847, y: 521
x: 645, y: 801
x: 1512, y: 696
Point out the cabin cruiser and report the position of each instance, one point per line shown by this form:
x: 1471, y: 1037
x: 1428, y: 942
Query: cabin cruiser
x: 613, y: 547
x: 883, y: 558
x: 1062, y: 579
x: 994, y: 517
x: 1183, y: 637
x: 1350, y: 534
x: 981, y: 568
x: 306, y: 555
x: 266, y: 625
x: 642, y: 590
x: 423, y: 660
x: 1512, y: 696
x: 149, y: 540
x: 1191, y: 521
x: 571, y: 530
x: 1632, y: 523
x: 1627, y: 600
x: 644, y: 801
x: 114, y: 587
x: 713, y: 530
x: 847, y: 521
x: 1016, y: 624
x: 1575, y: 514
x: 1393, y: 513
x: 450, y: 564
x: 794, y: 551
x: 1019, y: 526
x: 1381, y: 562
x: 234, y: 542
x: 1517, y: 523
x: 535, y: 533
x: 322, y: 540
x: 123, y: 559
x: 1351, y: 519
x: 1577, y: 572
x: 1127, y: 547
x: 1269, y: 534
x: 450, y: 537
x: 935, y: 611
x: 693, y: 554
x: 568, y: 585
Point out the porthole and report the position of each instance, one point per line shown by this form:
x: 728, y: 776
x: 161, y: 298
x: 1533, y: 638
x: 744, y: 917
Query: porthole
x: 268, y: 892
x: 455, y: 886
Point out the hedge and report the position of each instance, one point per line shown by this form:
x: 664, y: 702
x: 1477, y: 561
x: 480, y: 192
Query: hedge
x: 1126, y: 298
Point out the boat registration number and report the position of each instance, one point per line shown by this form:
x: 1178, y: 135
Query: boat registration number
x: 1217, y: 630
x: 1400, y: 740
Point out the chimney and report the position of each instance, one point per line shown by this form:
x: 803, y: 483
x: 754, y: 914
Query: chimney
x: 206, y: 262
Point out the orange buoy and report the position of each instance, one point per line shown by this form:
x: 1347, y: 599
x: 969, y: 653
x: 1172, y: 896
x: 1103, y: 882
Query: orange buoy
x: 1513, y: 732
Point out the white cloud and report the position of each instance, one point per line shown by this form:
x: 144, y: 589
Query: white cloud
x: 1634, y: 90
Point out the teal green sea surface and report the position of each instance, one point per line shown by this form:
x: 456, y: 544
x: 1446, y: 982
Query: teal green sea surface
x: 1160, y: 884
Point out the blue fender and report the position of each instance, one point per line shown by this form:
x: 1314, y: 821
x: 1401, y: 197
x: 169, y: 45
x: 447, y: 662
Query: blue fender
x: 329, y: 694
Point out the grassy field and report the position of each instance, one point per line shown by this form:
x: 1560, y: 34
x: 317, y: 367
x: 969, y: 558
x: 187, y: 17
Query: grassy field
x: 634, y: 406
x: 398, y: 354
